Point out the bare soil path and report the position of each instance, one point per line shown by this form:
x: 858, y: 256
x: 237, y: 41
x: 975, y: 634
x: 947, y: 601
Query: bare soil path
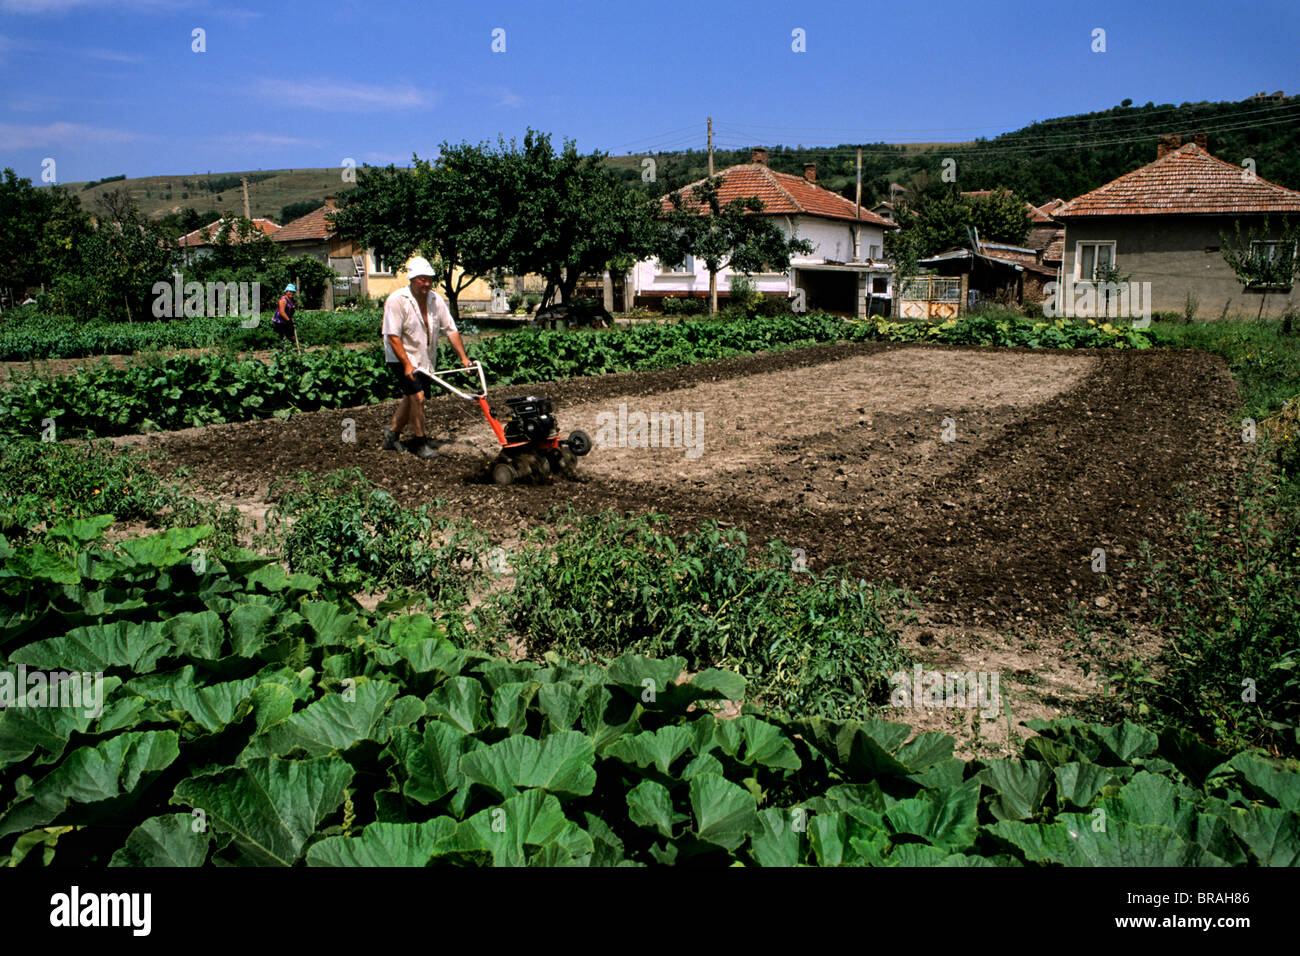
x: 838, y: 450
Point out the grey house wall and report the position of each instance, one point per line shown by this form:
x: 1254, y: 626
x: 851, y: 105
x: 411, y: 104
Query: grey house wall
x: 1177, y: 255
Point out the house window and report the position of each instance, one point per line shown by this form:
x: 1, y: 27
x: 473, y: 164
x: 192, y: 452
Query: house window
x: 378, y: 267
x: 686, y: 268
x: 1093, y: 261
x: 873, y: 252
x: 1273, y: 263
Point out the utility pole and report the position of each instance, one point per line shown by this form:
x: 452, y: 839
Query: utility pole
x: 859, y: 189
x: 710, y: 147
x: 244, y: 181
x: 857, y: 232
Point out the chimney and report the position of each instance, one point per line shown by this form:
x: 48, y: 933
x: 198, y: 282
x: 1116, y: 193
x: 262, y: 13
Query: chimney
x: 759, y: 155
x: 810, y: 172
x: 1167, y: 144
x: 1199, y: 139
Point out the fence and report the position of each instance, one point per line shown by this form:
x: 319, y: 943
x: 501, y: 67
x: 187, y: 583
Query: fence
x: 930, y: 297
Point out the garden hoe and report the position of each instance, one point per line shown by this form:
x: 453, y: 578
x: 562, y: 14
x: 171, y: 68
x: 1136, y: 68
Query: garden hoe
x: 531, y: 446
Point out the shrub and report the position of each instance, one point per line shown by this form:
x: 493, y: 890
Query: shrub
x: 342, y: 528
x: 809, y: 644
x: 682, y: 306
x: 743, y: 294
x: 770, y: 306
x: 1232, y: 607
x: 45, y: 483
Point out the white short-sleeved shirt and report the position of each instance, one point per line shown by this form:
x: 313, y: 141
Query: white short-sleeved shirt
x: 402, y: 318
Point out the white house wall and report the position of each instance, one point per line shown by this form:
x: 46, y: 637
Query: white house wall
x: 832, y: 239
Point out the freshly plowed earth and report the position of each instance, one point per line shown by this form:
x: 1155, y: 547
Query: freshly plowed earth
x: 840, y: 451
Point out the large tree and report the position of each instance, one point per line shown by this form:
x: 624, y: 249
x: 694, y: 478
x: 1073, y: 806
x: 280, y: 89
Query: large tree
x: 124, y: 256
x: 40, y: 230
x: 567, y: 215
x: 936, y: 216
x: 723, y: 235
x: 478, y: 210
x: 447, y: 211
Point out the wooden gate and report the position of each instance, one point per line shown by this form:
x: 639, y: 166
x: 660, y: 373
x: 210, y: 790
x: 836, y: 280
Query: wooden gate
x: 929, y: 298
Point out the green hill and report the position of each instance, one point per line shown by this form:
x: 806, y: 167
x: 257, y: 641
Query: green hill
x: 269, y: 191
x: 1062, y: 157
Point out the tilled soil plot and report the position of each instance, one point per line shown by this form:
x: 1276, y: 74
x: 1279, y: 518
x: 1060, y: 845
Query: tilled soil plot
x: 981, y: 479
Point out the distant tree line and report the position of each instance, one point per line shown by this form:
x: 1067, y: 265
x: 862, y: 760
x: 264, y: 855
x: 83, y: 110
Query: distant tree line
x: 1061, y: 158
x: 295, y: 210
x: 219, y: 184
x: 103, y: 266
x: 99, y: 182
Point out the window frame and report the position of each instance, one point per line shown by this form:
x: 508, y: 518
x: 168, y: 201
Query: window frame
x: 687, y: 268
x: 1255, y: 286
x: 1078, y: 258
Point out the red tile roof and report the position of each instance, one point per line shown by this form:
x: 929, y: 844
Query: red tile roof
x: 782, y: 194
x: 1185, y: 181
x: 204, y: 236
x: 311, y: 226
x: 1046, y: 212
x: 1055, y: 251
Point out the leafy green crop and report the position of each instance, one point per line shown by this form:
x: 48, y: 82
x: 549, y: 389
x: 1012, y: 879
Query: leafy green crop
x: 179, y: 392
x: 253, y: 717
x: 820, y: 645
x: 47, y: 483
x: 341, y: 527
x: 38, y: 336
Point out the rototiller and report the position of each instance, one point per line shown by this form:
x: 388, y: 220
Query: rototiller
x: 531, y: 446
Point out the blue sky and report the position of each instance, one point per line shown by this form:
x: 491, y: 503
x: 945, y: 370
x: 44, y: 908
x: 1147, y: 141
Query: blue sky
x: 114, y: 86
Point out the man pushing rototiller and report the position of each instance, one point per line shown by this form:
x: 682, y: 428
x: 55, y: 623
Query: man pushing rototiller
x: 529, y: 437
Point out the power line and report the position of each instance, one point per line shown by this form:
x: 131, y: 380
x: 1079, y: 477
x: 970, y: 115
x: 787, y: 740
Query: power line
x: 633, y: 144
x: 673, y: 140
x: 1078, y: 119
x: 666, y: 145
x: 900, y: 151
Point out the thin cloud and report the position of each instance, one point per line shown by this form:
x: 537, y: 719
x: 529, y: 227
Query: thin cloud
x: 383, y: 159
x: 329, y: 95
x: 30, y: 104
x: 15, y: 136
x: 507, y: 98
x: 270, y: 139
x: 502, y: 96
x: 38, y: 7
x: 113, y: 56
x: 238, y: 15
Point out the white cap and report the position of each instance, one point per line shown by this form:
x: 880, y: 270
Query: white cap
x: 419, y: 266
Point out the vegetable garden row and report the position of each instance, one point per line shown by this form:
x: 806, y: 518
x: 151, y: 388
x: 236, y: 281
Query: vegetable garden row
x: 25, y: 334
x: 251, y: 711
x: 185, y: 391
x: 252, y: 716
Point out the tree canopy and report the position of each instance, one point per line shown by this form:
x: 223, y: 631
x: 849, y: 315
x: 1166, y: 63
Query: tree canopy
x: 937, y: 218
x: 39, y: 232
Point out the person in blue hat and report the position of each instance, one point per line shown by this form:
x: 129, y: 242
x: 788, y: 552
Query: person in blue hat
x: 282, y: 321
